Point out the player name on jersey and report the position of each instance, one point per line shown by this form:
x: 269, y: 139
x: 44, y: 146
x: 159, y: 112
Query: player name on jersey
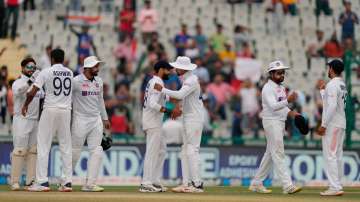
x: 61, y: 73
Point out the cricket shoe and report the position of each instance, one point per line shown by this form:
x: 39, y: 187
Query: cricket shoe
x: 43, y: 187
x: 292, y: 189
x: 193, y: 188
x: 148, y: 188
x: 330, y: 192
x: 161, y: 187
x: 65, y: 188
x: 92, y: 188
x: 15, y: 187
x: 259, y: 189
x: 27, y: 186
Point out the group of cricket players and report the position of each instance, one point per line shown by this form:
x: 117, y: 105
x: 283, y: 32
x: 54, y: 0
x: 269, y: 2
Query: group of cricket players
x: 51, y: 102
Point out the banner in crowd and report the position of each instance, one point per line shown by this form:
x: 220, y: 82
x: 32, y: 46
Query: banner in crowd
x: 122, y: 165
x: 246, y: 68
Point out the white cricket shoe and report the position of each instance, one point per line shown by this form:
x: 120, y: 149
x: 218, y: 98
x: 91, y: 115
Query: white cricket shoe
x: 92, y: 188
x: 160, y: 186
x: 65, y: 188
x: 15, y: 187
x: 292, y: 189
x: 330, y: 192
x: 259, y: 189
x: 44, y: 187
x: 148, y: 188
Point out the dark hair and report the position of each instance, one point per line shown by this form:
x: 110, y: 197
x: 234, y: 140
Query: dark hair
x: 162, y: 64
x: 25, y: 61
x: 57, y: 55
x: 337, y: 66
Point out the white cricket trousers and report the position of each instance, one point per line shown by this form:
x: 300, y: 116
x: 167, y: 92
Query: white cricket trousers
x: 190, y: 153
x: 154, y: 156
x: 332, y: 145
x: 24, y: 132
x: 274, y: 155
x: 54, y: 121
x: 91, y: 130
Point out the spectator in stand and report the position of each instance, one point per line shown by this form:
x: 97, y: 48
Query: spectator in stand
x: 290, y: 7
x: 276, y: 8
x: 210, y: 59
x: 12, y: 9
x: 181, y: 41
x: 148, y: 18
x: 222, y: 92
x: 218, y: 39
x: 125, y: 51
x: 85, y: 43
x: 249, y: 107
x: 348, y: 19
x: 10, y: 101
x: 29, y: 4
x: 201, y: 40
x: 127, y: 19
x: 192, y: 50
x: 316, y: 47
x: 241, y: 35
x: 332, y: 48
x: 75, y: 5
x: 3, y: 98
x: 45, y: 58
x: 156, y: 48
x: 2, y: 18
x: 322, y: 6
x: 228, y: 56
x: 246, y: 51
x: 201, y: 72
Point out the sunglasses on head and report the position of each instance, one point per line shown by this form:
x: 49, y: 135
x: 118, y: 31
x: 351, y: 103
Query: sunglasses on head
x: 30, y: 67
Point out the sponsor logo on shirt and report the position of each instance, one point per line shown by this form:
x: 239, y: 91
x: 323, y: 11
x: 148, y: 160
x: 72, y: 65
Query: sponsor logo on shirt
x: 89, y: 93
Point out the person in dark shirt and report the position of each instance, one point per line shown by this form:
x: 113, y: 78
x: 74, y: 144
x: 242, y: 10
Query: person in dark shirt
x: 181, y: 40
x: 347, y: 19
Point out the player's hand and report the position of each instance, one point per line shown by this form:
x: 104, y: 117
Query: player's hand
x: 292, y: 114
x: 321, y: 84
x: 292, y: 97
x: 158, y: 87
x: 321, y: 131
x: 24, y: 110
x: 106, y: 124
x: 176, y: 112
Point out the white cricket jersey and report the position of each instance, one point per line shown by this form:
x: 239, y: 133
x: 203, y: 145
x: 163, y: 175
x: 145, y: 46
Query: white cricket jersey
x: 334, y: 102
x: 190, y: 94
x: 57, y: 81
x: 88, y: 98
x: 153, y: 101
x: 20, y: 87
x: 274, y: 102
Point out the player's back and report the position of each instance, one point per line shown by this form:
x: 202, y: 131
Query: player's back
x: 57, y: 82
x: 336, y: 88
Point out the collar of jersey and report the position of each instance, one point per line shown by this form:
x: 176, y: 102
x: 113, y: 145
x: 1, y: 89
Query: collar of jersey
x: 86, y: 79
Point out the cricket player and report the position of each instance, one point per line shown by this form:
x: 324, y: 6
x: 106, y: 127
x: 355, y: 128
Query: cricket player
x: 88, y: 120
x: 274, y: 114
x: 25, y: 128
x: 54, y: 120
x: 190, y: 94
x: 333, y: 126
x: 152, y: 118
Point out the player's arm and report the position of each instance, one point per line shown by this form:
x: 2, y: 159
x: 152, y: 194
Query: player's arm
x: 185, y: 90
x: 29, y: 97
x: 103, y: 113
x: 330, y: 110
x: 270, y: 98
x: 73, y: 30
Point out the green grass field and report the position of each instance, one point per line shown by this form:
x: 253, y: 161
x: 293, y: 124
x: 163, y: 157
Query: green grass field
x: 130, y: 194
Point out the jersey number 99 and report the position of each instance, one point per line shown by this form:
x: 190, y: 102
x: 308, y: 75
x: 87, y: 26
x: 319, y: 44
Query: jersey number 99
x: 62, y: 86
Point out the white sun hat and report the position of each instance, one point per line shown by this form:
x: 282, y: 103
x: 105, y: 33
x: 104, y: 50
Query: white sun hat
x: 276, y: 65
x: 91, y: 61
x: 184, y: 63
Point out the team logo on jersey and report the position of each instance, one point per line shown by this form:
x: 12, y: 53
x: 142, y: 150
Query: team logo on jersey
x: 97, y: 85
x: 85, y: 85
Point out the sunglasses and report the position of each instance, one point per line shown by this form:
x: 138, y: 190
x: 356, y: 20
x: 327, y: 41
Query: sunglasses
x: 30, y: 67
